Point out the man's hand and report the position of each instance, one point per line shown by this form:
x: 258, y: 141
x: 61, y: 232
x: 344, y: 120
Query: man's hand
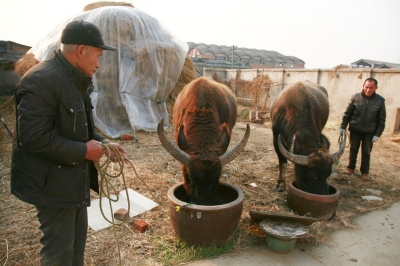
x: 375, y: 139
x: 94, y: 151
x: 342, y: 131
x: 113, y: 157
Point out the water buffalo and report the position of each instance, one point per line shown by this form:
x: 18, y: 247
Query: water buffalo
x: 204, y: 115
x: 298, y: 116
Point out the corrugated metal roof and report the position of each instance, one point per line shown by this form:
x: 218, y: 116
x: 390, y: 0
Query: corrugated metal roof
x: 6, y: 58
x: 375, y: 64
x: 11, y: 52
x: 244, y: 52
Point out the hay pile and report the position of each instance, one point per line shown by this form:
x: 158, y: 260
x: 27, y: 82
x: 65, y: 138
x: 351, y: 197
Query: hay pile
x: 24, y: 64
x: 257, y: 88
x: 252, y: 93
x: 95, y: 5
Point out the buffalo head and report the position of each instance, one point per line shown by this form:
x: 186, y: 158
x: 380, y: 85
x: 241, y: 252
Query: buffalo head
x: 202, y: 169
x: 312, y: 171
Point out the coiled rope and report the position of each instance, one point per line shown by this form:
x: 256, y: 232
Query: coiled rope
x: 106, y: 187
x: 334, y: 166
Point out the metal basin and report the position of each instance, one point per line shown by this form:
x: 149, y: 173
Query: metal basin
x: 206, y: 225
x: 322, y: 207
x: 280, y: 245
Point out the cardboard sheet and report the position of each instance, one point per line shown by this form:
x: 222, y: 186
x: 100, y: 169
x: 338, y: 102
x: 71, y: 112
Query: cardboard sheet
x: 138, y: 205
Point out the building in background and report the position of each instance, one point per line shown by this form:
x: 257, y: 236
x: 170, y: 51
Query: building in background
x: 10, y: 52
x: 222, y: 56
x: 366, y: 63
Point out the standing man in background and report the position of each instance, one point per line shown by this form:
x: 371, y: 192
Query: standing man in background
x: 366, y: 114
x: 55, y: 144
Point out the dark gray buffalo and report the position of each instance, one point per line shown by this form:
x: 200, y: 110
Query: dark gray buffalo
x: 298, y: 116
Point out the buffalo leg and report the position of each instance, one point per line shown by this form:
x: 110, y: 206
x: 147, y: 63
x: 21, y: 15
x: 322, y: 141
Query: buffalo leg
x: 187, y: 183
x: 281, y: 185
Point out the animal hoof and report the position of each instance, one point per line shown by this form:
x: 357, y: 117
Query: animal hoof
x: 279, y: 189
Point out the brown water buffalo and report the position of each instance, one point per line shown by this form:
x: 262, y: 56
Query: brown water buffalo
x: 298, y: 116
x: 204, y: 115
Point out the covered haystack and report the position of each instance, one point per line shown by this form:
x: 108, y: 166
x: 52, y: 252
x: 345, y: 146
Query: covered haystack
x: 188, y: 74
x: 137, y: 85
x: 95, y: 5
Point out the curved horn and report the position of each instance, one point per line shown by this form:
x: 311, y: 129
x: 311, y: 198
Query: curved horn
x: 297, y: 159
x: 291, y: 147
x: 173, y: 149
x: 235, y: 151
x: 336, y: 155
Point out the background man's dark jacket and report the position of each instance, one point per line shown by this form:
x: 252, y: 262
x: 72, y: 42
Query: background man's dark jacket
x: 365, y: 114
x: 53, y: 122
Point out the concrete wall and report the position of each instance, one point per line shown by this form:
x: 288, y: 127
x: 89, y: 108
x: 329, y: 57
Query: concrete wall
x: 221, y: 72
x: 340, y: 84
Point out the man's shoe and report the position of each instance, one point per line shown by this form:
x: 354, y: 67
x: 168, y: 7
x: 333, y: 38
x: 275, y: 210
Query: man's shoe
x: 365, y: 177
x: 349, y: 171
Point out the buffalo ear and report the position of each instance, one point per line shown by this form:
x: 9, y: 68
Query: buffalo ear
x: 182, y: 144
x: 225, y: 137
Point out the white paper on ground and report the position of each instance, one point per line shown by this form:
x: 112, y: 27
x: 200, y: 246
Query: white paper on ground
x: 138, y: 205
x: 371, y: 198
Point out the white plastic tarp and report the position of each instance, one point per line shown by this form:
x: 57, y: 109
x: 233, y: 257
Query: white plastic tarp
x: 133, y: 83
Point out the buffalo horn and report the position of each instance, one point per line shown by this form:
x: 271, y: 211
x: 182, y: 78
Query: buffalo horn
x: 173, y: 149
x: 297, y: 159
x: 235, y: 151
x: 336, y: 155
x: 292, y: 144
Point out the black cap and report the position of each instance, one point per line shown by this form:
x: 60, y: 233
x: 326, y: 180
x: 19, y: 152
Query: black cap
x: 83, y: 32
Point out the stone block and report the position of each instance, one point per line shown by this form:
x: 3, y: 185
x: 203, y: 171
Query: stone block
x: 121, y: 214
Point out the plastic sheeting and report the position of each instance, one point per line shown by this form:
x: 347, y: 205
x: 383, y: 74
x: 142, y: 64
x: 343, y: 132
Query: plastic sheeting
x: 134, y: 82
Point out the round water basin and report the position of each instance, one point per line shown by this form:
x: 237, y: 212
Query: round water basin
x: 281, y: 235
x: 206, y: 225
x: 322, y: 207
x: 280, y: 245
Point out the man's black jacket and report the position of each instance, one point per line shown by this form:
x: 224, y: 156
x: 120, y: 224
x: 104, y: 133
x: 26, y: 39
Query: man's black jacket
x: 365, y: 114
x: 53, y: 123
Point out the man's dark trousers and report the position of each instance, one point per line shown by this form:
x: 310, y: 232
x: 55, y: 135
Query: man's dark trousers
x: 64, y: 235
x: 365, y: 140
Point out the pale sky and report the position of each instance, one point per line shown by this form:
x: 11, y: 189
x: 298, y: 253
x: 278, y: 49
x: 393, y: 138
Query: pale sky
x: 324, y: 34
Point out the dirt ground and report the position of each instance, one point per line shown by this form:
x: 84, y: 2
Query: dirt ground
x: 257, y: 164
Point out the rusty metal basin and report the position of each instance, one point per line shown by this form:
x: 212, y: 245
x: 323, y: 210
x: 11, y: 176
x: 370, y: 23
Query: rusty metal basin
x: 322, y: 207
x: 206, y: 225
